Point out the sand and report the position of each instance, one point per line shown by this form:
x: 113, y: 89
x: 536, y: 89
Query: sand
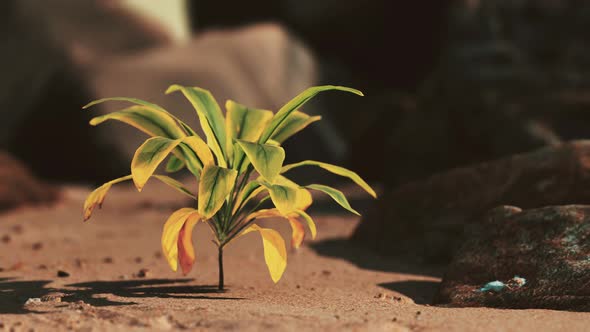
x: 328, y: 285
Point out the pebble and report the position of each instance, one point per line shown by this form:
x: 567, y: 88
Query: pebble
x: 143, y: 273
x: 62, y: 274
x: 52, y: 297
x: 138, y: 260
x: 6, y: 238
x: 33, y: 301
x: 37, y: 246
x: 107, y: 260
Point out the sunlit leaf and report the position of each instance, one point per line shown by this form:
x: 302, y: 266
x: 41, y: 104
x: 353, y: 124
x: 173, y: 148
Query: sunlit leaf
x: 215, y: 185
x: 197, y: 154
x: 275, y: 252
x: 148, y: 157
x: 283, y: 197
x: 303, y: 197
x: 171, y: 240
x: 298, y: 232
x: 186, y: 251
x: 308, y: 220
x: 294, y: 123
x: 266, y: 159
x: 96, y: 197
x: 336, y: 194
x: 336, y: 170
x: 245, y: 123
x: 296, y: 103
x: 210, y: 117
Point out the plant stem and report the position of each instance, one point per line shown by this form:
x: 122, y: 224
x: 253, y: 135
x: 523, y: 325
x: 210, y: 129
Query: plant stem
x: 220, y: 262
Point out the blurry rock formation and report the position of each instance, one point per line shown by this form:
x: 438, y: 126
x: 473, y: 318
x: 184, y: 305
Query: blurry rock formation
x: 18, y: 187
x: 71, y: 52
x: 425, y: 219
x: 548, y: 247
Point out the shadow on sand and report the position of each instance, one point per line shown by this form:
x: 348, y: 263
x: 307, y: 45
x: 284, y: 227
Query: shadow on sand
x: 14, y: 293
x: 422, y: 292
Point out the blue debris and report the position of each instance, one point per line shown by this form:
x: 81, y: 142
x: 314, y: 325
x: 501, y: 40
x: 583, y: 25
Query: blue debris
x: 519, y: 281
x: 493, y: 286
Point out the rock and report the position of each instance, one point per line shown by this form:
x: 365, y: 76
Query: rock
x: 33, y: 301
x: 547, y: 246
x: 143, y: 273
x: 62, y: 274
x: 19, y: 187
x: 53, y: 297
x: 425, y: 219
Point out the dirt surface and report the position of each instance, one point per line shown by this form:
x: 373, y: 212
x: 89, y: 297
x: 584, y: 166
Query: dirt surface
x: 328, y: 284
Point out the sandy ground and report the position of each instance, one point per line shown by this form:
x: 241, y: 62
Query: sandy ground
x: 328, y: 284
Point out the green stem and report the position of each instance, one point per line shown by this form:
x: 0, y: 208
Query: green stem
x: 220, y: 264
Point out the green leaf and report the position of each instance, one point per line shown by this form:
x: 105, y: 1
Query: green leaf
x: 174, y: 164
x: 336, y: 194
x: 275, y: 251
x: 149, y: 156
x: 210, y: 117
x: 296, y: 103
x: 336, y: 170
x: 244, y: 123
x: 215, y: 185
x: 266, y: 159
x: 149, y: 120
x: 175, y: 184
x: 197, y: 154
x: 283, y: 197
x: 250, y: 190
x: 293, y: 124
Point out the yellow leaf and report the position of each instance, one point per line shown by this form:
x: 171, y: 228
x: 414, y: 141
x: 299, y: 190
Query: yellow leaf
x: 186, y: 251
x: 148, y: 156
x: 303, y: 197
x: 171, y: 235
x: 244, y: 123
x: 283, y: 197
x: 275, y: 253
x: 336, y: 194
x: 298, y: 232
x: 293, y: 124
x: 96, y: 197
x: 210, y: 117
x: 336, y: 170
x: 280, y: 117
x: 266, y: 159
x: 215, y: 185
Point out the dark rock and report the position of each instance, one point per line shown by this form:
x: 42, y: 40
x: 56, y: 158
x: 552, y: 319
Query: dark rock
x: 550, y: 247
x: 62, y: 274
x: 426, y: 219
x: 18, y: 187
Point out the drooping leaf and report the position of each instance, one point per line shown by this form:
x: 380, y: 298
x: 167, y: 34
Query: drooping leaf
x: 174, y: 164
x: 171, y: 239
x: 336, y: 170
x: 296, y: 103
x: 336, y: 194
x: 275, y: 252
x: 186, y: 250
x: 215, y: 185
x: 96, y: 197
x: 294, y: 123
x: 210, y: 117
x: 308, y: 220
x: 298, y: 232
x: 266, y: 159
x: 149, y: 120
x: 148, y: 156
x: 175, y: 184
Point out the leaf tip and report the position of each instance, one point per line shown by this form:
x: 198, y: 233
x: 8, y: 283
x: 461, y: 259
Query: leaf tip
x: 173, y: 88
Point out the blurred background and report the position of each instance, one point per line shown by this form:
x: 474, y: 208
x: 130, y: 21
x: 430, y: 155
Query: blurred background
x: 447, y: 83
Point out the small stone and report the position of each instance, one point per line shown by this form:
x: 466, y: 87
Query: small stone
x: 37, y: 246
x: 326, y: 273
x: 42, y: 267
x: 62, y: 274
x: 158, y: 254
x: 52, y: 297
x: 298, y: 286
x: 80, y: 262
x: 143, y: 273
x: 107, y: 260
x: 6, y: 238
x: 380, y: 296
x: 33, y: 301
x: 123, y: 277
x: 138, y: 260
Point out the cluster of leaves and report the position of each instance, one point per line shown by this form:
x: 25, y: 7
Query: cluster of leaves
x: 239, y: 167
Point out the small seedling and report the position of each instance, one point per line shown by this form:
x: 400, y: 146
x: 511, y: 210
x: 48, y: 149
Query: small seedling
x: 238, y: 168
